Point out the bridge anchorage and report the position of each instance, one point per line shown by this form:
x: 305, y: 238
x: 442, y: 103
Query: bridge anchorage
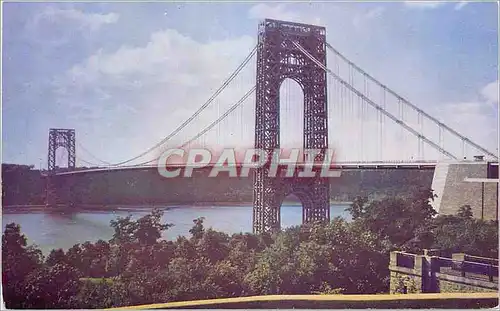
x: 278, y: 58
x: 66, y: 139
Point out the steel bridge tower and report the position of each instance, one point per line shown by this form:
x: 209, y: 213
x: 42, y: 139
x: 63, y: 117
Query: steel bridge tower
x: 64, y: 138
x: 278, y: 59
x: 61, y: 138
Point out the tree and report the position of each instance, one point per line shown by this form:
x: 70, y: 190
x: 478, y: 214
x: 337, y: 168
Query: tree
x: 18, y: 261
x: 74, y: 257
x: 94, y: 295
x: 51, y: 287
x: 56, y: 257
x: 463, y: 234
x: 358, y: 207
x: 124, y: 230
x: 243, y: 250
x: 465, y: 212
x: 212, y: 245
x: 133, y: 238
x: 99, y: 264
x: 146, y: 230
x: 226, y: 279
x: 189, y: 279
x: 198, y: 229
x: 404, y: 222
x: 136, y: 267
x: 184, y: 248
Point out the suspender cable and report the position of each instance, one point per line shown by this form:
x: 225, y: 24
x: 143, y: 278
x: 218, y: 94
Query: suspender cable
x: 406, y: 102
x: 369, y: 101
x: 206, y: 129
x: 91, y: 155
x: 194, y: 115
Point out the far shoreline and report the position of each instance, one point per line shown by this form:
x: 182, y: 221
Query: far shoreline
x: 14, y: 209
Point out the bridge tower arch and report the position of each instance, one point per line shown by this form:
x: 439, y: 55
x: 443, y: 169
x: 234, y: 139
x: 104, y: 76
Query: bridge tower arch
x: 66, y: 139
x: 277, y: 59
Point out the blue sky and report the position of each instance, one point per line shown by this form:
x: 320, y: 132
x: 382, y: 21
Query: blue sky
x: 125, y: 74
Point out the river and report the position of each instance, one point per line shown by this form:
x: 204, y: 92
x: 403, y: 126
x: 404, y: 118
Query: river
x: 51, y: 230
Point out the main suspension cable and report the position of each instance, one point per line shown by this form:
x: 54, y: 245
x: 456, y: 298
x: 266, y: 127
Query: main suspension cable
x: 87, y: 162
x: 80, y: 146
x: 408, y: 103
x: 195, y: 114
x: 369, y: 101
x: 209, y: 127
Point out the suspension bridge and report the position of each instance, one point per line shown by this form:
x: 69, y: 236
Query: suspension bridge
x: 306, y: 95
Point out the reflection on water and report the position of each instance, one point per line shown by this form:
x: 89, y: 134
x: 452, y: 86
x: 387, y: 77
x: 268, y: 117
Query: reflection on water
x: 64, y: 229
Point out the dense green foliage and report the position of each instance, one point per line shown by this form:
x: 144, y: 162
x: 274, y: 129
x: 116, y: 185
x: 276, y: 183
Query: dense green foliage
x: 22, y: 185
x: 137, y: 267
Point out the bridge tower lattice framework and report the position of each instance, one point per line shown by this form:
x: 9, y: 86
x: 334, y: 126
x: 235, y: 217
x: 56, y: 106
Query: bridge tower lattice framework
x: 278, y: 59
x: 66, y: 139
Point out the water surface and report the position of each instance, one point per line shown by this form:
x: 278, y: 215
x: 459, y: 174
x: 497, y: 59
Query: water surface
x: 51, y: 230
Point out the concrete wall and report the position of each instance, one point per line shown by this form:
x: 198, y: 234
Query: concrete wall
x: 408, y: 276
x: 404, y: 282
x: 453, y: 192
x: 454, y: 286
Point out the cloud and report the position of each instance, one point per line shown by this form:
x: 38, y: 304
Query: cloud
x: 424, y: 4
x: 133, y: 92
x: 88, y: 21
x: 160, y: 83
x: 363, y: 18
x: 55, y: 27
x: 262, y: 10
x: 165, y: 80
x: 280, y: 12
x: 474, y: 120
x: 490, y: 92
x: 461, y: 5
x: 477, y: 119
x: 169, y: 57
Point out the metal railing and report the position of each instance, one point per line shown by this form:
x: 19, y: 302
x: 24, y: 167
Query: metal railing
x: 469, y: 269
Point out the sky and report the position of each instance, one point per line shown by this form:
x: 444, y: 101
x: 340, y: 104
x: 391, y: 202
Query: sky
x: 124, y: 75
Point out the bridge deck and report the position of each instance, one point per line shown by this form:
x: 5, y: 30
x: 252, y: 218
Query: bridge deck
x: 430, y: 165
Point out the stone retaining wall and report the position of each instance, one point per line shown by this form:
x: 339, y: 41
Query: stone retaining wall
x: 433, y: 274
